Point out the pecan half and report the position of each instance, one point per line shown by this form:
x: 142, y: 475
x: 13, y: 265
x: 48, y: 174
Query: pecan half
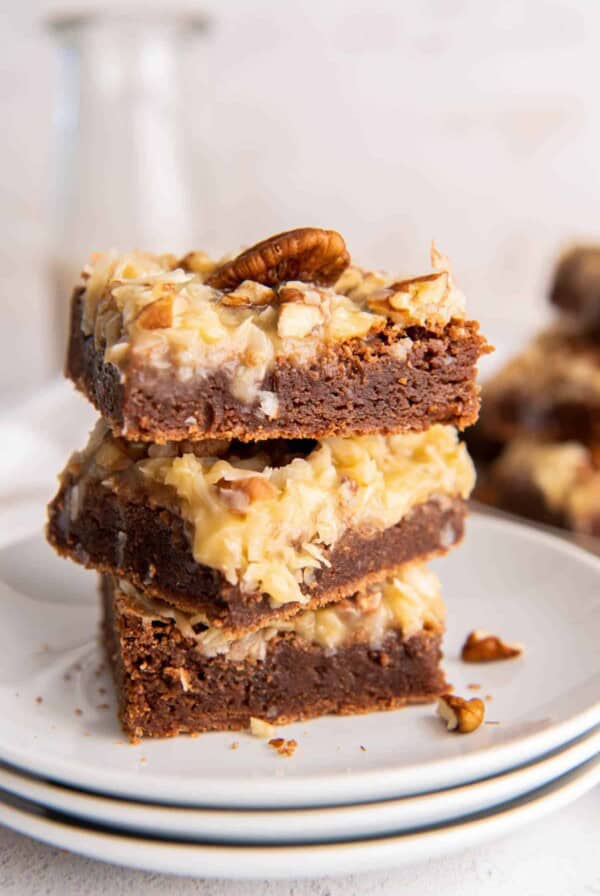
x: 157, y: 315
x: 461, y: 715
x: 482, y: 647
x: 308, y: 254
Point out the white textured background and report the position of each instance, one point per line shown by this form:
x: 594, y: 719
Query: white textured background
x: 474, y: 122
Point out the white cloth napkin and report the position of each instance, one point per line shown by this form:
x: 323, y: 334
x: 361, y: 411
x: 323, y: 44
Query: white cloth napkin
x: 36, y: 438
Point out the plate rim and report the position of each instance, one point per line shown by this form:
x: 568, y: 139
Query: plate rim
x: 274, y: 862
x: 505, y: 786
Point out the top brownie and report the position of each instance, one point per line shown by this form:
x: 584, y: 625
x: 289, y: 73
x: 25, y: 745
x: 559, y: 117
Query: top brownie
x: 286, y: 340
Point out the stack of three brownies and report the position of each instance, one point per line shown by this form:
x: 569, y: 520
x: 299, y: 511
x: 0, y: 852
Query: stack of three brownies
x: 276, y: 461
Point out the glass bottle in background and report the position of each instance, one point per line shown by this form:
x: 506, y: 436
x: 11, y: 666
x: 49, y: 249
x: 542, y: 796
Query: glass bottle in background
x: 123, y: 169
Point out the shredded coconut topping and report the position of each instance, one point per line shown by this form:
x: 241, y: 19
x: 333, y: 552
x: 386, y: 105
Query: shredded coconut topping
x: 410, y: 601
x: 266, y: 526
x: 148, y: 309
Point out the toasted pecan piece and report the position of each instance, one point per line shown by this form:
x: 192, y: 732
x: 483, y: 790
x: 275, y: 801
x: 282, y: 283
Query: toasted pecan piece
x: 461, y: 715
x: 283, y: 747
x: 309, y: 254
x: 238, y: 494
x: 398, y: 296
x: 196, y: 263
x: 249, y: 293
x: 482, y: 647
x: 157, y: 315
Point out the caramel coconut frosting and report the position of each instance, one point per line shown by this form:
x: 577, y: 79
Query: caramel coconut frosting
x: 265, y: 516
x: 288, y: 298
x: 410, y: 602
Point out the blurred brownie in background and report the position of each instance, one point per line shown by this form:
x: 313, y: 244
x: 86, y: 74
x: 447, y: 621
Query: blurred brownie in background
x: 576, y: 286
x: 536, y: 444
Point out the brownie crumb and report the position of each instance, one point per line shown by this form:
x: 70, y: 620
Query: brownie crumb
x: 38, y: 700
x: 103, y: 706
x: 364, y: 749
x: 78, y: 712
x: 283, y: 747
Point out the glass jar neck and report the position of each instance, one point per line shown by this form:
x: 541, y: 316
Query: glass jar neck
x: 121, y: 151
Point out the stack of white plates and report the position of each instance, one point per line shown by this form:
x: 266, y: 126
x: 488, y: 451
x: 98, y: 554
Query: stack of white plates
x: 359, y: 793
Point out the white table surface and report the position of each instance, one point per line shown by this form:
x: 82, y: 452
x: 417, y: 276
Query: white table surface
x: 557, y: 856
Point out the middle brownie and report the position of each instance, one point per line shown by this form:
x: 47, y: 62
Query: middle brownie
x: 249, y: 534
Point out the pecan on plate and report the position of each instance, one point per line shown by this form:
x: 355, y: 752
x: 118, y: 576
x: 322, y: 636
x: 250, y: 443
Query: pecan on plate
x: 461, y: 715
x: 482, y: 647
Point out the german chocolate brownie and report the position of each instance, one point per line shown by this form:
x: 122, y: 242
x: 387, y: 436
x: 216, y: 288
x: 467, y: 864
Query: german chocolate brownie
x: 245, y: 535
x: 550, y: 392
x: 553, y: 483
x: 576, y: 286
x: 287, y: 340
x: 378, y: 651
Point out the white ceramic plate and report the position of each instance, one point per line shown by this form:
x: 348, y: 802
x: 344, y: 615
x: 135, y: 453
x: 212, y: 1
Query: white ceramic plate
x: 289, y: 826
x: 317, y: 860
x: 57, y: 722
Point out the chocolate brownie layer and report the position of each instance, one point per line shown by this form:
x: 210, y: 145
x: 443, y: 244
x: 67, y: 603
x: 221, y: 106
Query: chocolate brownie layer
x: 151, y: 548
x: 166, y: 687
x: 384, y: 382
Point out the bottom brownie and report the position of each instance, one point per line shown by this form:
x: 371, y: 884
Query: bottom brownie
x: 379, y: 650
